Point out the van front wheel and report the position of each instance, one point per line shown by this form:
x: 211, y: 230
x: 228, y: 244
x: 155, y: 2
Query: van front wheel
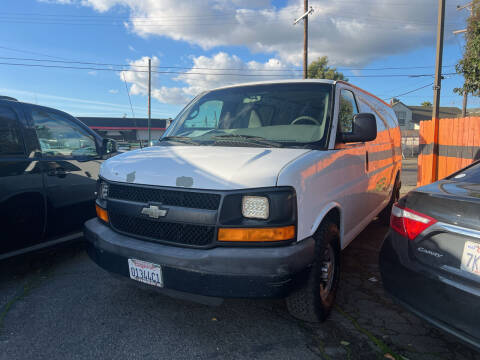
x: 314, y: 301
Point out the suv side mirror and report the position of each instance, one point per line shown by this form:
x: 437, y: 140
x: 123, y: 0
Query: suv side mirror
x: 109, y: 146
x: 364, y: 129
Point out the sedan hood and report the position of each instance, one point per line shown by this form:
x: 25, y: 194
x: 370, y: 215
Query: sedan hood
x: 200, y: 167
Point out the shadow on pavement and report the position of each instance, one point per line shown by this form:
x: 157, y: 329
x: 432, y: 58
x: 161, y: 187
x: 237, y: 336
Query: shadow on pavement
x: 58, y: 303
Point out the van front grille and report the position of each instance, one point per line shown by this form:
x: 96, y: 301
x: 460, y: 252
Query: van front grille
x: 188, y: 199
x: 173, y: 233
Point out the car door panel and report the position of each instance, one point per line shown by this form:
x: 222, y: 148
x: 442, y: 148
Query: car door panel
x: 70, y: 168
x: 381, y: 155
x: 22, y: 198
x: 351, y: 166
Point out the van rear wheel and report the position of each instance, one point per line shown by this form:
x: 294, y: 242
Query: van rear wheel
x: 314, y: 301
x: 384, y: 215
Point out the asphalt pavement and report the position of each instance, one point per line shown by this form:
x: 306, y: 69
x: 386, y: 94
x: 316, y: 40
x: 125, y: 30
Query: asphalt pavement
x: 59, y: 305
x: 409, y: 174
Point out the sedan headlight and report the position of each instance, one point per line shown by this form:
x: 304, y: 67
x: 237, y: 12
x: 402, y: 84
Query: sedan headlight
x: 255, y: 207
x: 103, y: 191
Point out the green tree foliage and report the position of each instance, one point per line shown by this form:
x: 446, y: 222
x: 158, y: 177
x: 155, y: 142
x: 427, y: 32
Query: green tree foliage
x: 427, y: 104
x: 319, y: 69
x: 345, y: 116
x: 469, y: 66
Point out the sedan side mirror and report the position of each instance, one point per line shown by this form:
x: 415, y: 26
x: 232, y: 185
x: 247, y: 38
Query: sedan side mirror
x: 364, y: 129
x: 109, y: 146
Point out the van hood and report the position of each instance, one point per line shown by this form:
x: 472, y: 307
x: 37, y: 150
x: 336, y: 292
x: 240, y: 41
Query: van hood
x: 200, y: 167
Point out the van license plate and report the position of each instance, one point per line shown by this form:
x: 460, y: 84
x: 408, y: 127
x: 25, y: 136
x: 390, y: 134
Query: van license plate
x: 145, y: 272
x: 471, y: 258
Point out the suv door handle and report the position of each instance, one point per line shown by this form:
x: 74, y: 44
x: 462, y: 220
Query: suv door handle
x: 59, y: 172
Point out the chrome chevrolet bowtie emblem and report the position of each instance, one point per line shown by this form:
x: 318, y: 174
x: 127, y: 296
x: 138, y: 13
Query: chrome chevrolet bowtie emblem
x: 154, y: 211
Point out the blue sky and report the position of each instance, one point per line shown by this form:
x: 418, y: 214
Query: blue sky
x: 255, y: 36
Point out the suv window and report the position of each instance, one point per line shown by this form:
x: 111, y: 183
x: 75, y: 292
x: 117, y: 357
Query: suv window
x: 348, y: 109
x: 58, y: 136
x: 10, y: 139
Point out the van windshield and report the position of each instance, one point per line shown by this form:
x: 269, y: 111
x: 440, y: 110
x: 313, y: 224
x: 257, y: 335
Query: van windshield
x: 278, y: 115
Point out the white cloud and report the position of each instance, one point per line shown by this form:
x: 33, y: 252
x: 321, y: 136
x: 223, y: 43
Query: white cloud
x: 348, y: 32
x: 113, y: 91
x: 139, y: 81
x: 131, y: 48
x: 93, y: 73
x: 199, y: 78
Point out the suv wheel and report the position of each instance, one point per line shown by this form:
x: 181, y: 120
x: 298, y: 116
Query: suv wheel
x: 313, y: 302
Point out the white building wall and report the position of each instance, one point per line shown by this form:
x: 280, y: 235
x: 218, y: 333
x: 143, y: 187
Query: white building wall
x: 143, y: 134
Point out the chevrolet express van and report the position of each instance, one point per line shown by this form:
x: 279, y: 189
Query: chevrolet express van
x: 252, y: 192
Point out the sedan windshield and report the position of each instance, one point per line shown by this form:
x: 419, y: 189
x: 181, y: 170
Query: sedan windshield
x: 272, y: 115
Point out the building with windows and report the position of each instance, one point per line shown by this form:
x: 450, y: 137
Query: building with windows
x: 126, y: 129
x: 409, y: 117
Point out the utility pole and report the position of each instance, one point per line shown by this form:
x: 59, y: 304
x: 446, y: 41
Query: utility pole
x: 305, y: 41
x: 149, y: 99
x: 465, y: 94
x: 304, y: 17
x: 437, y: 87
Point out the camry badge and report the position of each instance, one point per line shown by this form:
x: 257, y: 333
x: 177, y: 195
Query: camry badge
x: 154, y: 211
x: 429, y: 252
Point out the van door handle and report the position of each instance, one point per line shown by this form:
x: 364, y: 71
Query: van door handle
x: 366, y: 161
x: 59, y: 172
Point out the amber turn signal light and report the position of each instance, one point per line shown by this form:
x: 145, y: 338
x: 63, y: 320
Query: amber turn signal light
x: 256, y: 234
x: 101, y: 213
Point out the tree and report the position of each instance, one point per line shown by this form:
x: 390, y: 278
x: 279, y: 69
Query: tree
x: 319, y: 69
x: 469, y: 65
x: 427, y: 104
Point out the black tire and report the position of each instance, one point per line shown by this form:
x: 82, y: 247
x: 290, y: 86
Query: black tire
x: 384, y: 215
x: 310, y: 303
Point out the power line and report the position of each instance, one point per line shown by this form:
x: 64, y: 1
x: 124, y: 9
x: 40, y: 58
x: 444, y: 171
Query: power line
x: 32, y: 52
x: 205, y: 73
x: 128, y: 93
x: 235, y: 13
x: 409, y: 92
x: 156, y: 21
x: 143, y: 66
x: 206, y: 68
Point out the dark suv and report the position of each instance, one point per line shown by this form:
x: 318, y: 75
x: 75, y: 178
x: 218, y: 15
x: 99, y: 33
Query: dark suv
x: 49, y: 164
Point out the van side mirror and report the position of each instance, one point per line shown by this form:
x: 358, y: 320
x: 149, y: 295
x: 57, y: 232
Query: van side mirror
x: 364, y: 129
x: 109, y: 146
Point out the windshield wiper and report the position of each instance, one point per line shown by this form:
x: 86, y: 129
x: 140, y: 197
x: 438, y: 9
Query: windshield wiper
x: 247, y: 139
x: 182, y: 139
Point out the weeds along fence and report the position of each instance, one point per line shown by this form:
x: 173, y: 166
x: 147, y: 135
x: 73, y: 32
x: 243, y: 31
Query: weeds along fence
x: 458, y: 146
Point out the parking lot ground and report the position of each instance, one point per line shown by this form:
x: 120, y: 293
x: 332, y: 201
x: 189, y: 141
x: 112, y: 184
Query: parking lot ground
x: 409, y: 175
x: 59, y: 305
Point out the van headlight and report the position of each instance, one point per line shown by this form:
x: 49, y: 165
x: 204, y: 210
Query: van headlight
x: 255, y: 207
x: 103, y: 191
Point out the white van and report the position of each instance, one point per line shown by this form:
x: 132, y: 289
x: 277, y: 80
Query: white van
x: 252, y: 192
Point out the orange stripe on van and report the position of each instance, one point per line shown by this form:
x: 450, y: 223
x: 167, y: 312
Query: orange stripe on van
x: 364, y: 91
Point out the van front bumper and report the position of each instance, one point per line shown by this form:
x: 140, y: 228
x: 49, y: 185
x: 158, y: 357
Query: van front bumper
x: 225, y: 272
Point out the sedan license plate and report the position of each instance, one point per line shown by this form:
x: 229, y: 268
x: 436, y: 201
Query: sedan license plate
x: 145, y: 272
x: 471, y: 258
